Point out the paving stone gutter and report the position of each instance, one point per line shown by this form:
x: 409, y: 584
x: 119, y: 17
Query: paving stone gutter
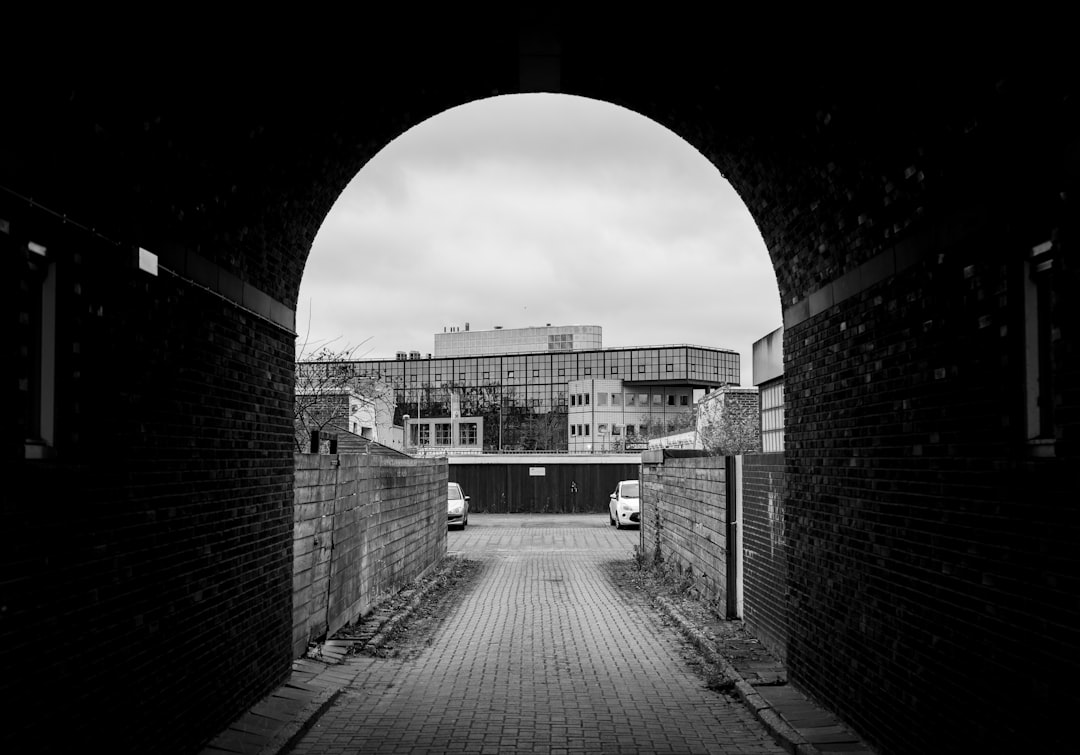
x: 274, y: 725
x: 785, y: 734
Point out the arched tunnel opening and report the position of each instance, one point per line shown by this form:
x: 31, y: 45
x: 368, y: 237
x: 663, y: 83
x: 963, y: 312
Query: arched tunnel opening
x: 921, y: 224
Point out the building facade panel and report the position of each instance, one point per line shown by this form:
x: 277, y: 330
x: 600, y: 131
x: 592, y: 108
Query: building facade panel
x: 517, y: 393
x: 498, y: 340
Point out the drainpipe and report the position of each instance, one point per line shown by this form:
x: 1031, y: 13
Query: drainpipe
x: 731, y: 602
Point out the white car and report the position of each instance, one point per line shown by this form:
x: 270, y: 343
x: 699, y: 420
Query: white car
x: 624, y: 506
x: 457, y: 506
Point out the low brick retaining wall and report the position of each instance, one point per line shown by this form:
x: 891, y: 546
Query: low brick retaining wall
x: 364, y: 526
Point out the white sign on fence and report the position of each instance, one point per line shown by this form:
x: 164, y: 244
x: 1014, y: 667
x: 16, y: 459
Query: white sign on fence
x: 537, y: 471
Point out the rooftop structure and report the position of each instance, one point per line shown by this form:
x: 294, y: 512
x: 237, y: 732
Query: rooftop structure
x: 457, y: 342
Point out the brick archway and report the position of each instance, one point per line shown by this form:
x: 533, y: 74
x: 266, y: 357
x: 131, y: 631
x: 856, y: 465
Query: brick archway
x: 901, y: 209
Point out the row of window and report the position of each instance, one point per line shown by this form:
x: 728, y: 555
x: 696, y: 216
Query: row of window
x: 420, y: 434
x: 631, y: 399
x: 510, y: 374
x: 603, y: 429
x: 699, y: 363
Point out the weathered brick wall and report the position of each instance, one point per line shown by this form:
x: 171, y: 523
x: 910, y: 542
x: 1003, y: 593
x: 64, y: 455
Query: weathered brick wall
x: 765, y: 550
x: 729, y: 421
x: 931, y: 562
x: 364, y: 526
x: 684, y: 519
x: 147, y: 568
x: 326, y: 412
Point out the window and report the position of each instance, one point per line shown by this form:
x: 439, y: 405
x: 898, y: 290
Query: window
x: 670, y: 367
x: 772, y: 417
x: 573, y: 429
x: 614, y: 370
x: 509, y: 373
x: 631, y: 399
x: 562, y: 372
x: 487, y: 375
x: 616, y: 399
x: 412, y: 378
x: 573, y: 399
x: 536, y: 373
x: 586, y: 398
x: 641, y: 368
x: 588, y: 370
x: 601, y: 399
x: 438, y: 376
x: 442, y: 433
x: 671, y: 399
x: 461, y: 376
x: 425, y: 435
x: 41, y: 350
x: 586, y: 429
x: 629, y: 429
x: 616, y: 430
x: 1038, y: 333
x: 601, y: 429
x: 684, y: 401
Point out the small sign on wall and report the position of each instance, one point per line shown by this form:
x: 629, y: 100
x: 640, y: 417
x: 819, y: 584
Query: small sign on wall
x: 537, y: 471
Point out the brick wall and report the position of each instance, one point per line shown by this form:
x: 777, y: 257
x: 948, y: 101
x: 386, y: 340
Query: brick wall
x: 364, y: 526
x: 684, y: 518
x: 147, y: 570
x: 765, y: 550
x: 729, y: 421
x: 928, y: 565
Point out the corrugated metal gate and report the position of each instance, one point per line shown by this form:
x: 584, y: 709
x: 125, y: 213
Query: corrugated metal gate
x: 540, y: 486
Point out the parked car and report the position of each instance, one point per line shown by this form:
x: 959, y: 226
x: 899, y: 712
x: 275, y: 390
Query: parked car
x: 457, y: 506
x: 624, y: 505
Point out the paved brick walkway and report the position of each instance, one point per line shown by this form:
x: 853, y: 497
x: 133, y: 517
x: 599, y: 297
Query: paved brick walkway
x: 543, y: 655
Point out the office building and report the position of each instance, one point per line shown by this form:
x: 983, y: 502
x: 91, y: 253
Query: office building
x: 524, y: 398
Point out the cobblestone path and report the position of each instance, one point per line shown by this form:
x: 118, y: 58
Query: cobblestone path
x: 541, y: 655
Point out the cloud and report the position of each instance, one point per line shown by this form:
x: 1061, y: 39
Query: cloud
x: 528, y: 209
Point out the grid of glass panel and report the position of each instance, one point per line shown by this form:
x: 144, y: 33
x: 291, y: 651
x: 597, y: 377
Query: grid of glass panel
x: 772, y: 416
x: 515, y: 392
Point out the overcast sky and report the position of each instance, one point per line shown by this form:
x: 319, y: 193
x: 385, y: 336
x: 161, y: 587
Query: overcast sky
x: 524, y: 210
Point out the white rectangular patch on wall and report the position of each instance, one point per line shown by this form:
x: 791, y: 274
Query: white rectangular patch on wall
x: 147, y: 261
x: 537, y: 471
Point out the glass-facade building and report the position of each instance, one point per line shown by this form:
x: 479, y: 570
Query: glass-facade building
x: 523, y: 398
x: 768, y: 376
